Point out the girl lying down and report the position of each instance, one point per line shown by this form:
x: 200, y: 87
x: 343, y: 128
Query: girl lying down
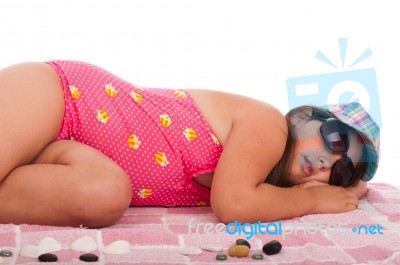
x: 80, y: 145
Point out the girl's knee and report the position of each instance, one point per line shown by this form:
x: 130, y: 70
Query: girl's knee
x: 119, y: 189
x: 100, y: 190
x: 103, y: 201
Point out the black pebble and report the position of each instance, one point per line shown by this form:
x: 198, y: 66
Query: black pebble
x: 272, y: 247
x: 243, y: 242
x: 47, y: 257
x: 89, y: 257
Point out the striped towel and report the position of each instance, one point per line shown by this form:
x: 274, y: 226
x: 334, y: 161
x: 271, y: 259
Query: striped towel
x: 157, y: 234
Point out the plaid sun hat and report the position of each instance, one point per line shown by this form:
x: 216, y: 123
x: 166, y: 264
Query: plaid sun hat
x: 355, y: 116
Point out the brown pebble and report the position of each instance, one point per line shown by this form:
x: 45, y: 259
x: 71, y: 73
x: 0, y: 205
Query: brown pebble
x: 243, y: 242
x: 238, y: 251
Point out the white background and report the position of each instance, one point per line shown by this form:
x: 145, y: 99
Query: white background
x: 247, y: 47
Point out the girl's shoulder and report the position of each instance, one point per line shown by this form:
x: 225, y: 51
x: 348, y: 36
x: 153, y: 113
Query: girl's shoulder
x: 223, y: 110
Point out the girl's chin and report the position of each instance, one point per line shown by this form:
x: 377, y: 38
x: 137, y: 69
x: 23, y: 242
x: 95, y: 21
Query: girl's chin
x: 294, y: 180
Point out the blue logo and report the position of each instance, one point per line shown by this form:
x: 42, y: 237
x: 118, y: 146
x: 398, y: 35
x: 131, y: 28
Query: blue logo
x: 368, y: 230
x: 280, y: 228
x: 338, y: 87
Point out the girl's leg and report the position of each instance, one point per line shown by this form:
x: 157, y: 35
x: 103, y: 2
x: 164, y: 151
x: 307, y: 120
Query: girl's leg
x: 31, y: 113
x: 60, y: 183
x: 70, y: 184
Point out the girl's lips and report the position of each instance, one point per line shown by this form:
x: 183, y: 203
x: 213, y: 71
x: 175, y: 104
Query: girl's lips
x: 307, y: 168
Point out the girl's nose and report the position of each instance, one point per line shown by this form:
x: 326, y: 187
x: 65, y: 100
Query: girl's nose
x: 323, y: 164
x: 326, y: 162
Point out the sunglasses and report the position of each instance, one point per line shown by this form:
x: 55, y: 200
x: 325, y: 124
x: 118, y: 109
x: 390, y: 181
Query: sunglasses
x: 336, y: 139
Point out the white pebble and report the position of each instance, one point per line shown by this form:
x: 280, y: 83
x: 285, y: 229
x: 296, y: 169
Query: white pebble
x: 211, y: 247
x: 47, y: 244
x: 84, y: 244
x: 50, y: 244
x: 190, y: 251
x: 32, y: 251
x: 117, y: 248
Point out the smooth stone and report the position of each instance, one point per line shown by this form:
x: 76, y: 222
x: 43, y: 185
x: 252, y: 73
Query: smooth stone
x: 1, y: 260
x: 6, y: 253
x: 89, y: 257
x: 50, y: 244
x: 32, y: 251
x: 84, y: 244
x: 238, y: 251
x: 257, y: 256
x: 47, y: 257
x: 46, y: 245
x: 118, y: 247
x: 243, y: 242
x: 272, y: 247
x: 211, y: 247
x: 190, y: 251
x: 221, y: 256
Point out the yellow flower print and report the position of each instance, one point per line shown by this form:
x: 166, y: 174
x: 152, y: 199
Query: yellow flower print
x: 190, y: 134
x: 145, y: 193
x: 180, y: 94
x: 215, y: 139
x: 133, y: 142
x: 74, y: 92
x: 102, y: 116
x: 201, y: 203
x: 161, y: 159
x: 110, y: 91
x: 137, y: 97
x: 165, y: 120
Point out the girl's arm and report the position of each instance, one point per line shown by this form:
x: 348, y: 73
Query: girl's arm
x: 254, y: 145
x: 360, y: 190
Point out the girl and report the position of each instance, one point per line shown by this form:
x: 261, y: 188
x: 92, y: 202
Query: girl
x: 79, y: 145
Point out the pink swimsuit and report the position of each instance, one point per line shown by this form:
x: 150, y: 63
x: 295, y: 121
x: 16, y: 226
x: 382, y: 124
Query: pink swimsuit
x: 158, y: 136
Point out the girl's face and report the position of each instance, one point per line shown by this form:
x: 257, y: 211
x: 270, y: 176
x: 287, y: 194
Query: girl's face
x: 312, y: 160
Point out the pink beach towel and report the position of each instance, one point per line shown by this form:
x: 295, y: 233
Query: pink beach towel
x: 368, y: 235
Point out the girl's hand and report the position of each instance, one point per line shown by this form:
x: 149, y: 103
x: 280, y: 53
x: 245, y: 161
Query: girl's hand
x: 360, y: 190
x: 333, y: 199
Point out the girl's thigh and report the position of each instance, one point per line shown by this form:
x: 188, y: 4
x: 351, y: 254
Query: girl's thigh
x: 31, y: 113
x: 100, y: 187
x: 68, y: 184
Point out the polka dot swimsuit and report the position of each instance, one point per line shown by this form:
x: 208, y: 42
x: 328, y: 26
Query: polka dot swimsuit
x: 158, y: 136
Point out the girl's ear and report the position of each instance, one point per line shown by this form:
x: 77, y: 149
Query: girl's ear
x: 302, y: 114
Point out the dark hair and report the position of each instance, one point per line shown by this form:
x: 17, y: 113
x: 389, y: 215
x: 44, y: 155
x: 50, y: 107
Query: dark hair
x: 279, y: 174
